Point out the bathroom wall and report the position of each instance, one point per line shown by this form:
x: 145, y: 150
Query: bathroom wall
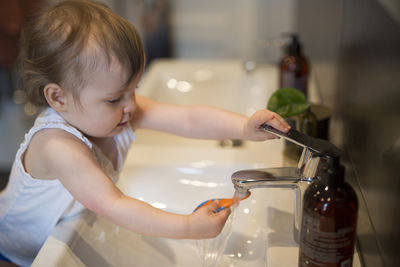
x: 354, y: 48
x: 241, y: 29
x: 230, y: 28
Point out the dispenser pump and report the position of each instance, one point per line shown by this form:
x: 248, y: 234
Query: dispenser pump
x: 294, y: 47
x: 332, y: 172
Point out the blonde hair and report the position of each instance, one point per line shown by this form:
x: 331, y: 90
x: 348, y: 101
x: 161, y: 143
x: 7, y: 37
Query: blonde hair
x: 54, y: 46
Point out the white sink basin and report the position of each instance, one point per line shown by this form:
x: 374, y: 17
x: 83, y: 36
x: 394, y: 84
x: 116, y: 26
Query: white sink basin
x: 176, y: 174
x: 178, y: 183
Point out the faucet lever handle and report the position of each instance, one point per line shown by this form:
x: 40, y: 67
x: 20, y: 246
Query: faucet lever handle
x: 318, y: 147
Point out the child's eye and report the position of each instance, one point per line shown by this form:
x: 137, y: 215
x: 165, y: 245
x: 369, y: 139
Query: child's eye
x: 114, y: 101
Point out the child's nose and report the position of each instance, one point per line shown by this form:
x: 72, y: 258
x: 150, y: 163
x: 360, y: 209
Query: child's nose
x: 129, y: 106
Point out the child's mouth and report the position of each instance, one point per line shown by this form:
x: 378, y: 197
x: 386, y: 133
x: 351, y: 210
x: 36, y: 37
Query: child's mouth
x: 122, y: 124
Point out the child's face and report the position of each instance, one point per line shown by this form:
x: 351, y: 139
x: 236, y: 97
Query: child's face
x: 107, y: 102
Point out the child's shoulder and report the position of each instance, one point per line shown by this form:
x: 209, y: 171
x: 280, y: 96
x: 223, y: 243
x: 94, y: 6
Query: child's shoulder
x: 51, y: 126
x: 53, y: 136
x: 49, y: 147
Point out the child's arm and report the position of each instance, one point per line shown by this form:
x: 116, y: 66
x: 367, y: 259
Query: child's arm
x: 204, y: 121
x: 63, y: 156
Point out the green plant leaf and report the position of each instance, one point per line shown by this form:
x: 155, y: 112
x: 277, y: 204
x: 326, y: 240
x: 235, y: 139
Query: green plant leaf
x: 288, y: 102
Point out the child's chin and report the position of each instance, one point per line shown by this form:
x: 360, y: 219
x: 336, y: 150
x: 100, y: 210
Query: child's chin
x: 118, y: 129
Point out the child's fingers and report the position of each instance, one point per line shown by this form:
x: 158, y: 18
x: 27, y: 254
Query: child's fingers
x: 278, y: 122
x: 213, y: 206
x: 224, y: 213
x: 282, y: 121
x: 271, y: 118
x: 207, y: 222
x: 221, y: 216
x: 210, y: 207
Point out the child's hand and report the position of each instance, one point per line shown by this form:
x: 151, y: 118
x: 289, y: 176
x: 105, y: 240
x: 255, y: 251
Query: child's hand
x: 206, y: 222
x: 252, y: 129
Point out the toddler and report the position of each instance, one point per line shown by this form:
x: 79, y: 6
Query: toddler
x: 83, y: 63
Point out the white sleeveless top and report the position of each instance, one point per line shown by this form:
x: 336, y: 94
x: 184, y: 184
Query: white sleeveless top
x: 30, y: 208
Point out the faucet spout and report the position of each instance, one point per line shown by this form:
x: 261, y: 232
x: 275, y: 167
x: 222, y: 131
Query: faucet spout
x: 316, y: 152
x: 286, y: 177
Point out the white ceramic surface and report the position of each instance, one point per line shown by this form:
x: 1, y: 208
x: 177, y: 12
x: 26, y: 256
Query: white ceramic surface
x: 218, y: 83
x: 176, y: 174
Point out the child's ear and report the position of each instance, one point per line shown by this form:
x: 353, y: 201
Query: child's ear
x: 56, y: 96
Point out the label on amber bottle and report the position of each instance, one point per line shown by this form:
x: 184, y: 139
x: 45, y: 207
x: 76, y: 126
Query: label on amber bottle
x: 325, y: 248
x: 290, y: 79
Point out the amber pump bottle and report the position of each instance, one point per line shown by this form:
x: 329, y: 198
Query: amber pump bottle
x: 329, y: 220
x: 294, y: 67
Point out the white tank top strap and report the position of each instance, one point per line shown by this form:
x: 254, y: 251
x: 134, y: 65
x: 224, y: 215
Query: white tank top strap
x: 49, y: 118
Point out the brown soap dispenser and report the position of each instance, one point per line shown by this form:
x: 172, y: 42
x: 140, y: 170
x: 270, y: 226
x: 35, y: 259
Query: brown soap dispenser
x: 294, y: 67
x: 329, y: 219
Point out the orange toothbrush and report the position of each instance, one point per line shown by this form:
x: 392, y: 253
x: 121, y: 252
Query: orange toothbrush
x: 223, y: 202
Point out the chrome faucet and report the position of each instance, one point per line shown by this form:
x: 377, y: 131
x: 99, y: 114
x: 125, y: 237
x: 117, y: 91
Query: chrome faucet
x: 316, y: 153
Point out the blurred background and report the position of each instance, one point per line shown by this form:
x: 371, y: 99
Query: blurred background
x: 353, y: 49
